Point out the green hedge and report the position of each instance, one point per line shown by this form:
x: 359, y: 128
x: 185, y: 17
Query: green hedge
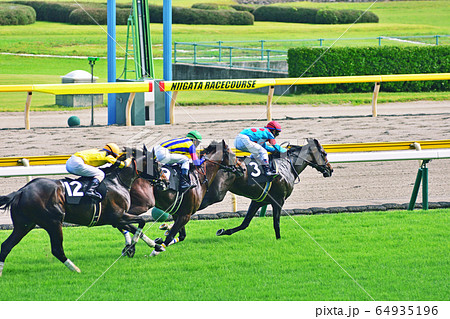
x: 285, y: 14
x: 312, y: 15
x: 221, y: 17
x: 345, y: 17
x: 370, y: 61
x: 68, y: 12
x: 51, y: 11
x: 216, y: 6
x: 243, y: 7
x: 16, y: 14
x: 89, y: 16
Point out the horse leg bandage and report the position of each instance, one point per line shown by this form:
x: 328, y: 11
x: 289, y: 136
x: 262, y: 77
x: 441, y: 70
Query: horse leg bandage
x: 136, y: 236
x: 127, y: 236
x: 148, y: 241
x: 1, y: 267
x: 69, y: 264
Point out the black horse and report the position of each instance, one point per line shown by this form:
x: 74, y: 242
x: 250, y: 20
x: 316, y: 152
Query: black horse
x: 43, y: 202
x: 145, y: 195
x: 290, y: 166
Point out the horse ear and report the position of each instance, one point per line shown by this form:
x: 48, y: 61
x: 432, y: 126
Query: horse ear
x: 144, y: 148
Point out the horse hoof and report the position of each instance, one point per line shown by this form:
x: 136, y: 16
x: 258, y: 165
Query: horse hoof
x: 154, y: 253
x: 159, y: 241
x: 129, y: 251
x: 164, y: 226
x: 220, y: 232
x: 159, y: 248
x: 166, y: 233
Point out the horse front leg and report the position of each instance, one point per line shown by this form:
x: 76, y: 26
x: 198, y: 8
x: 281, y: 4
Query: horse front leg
x: 252, y: 209
x: 54, y: 230
x: 178, y: 227
x: 126, y: 225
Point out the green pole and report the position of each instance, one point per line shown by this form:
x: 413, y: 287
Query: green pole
x: 424, y: 186
x: 262, y: 212
x: 412, y: 202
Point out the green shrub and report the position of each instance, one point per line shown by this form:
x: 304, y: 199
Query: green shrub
x: 16, y: 14
x: 370, y: 61
x: 156, y: 13
x: 285, y: 14
x: 311, y: 15
x: 327, y: 17
x: 88, y: 16
x: 242, y: 7
x: 205, y: 6
x: 220, y: 17
x: 51, y: 11
x: 93, y: 13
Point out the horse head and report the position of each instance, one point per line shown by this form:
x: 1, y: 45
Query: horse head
x: 219, y: 153
x: 128, y: 174
x: 313, y: 155
x: 229, y: 161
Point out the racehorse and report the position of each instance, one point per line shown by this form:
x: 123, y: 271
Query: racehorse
x: 290, y: 166
x: 145, y: 195
x: 43, y: 202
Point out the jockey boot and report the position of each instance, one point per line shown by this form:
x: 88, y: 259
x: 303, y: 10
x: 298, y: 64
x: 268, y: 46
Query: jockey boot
x: 268, y: 172
x: 185, y: 182
x: 92, y: 192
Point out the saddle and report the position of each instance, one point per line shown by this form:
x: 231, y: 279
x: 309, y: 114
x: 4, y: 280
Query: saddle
x: 164, y: 176
x: 75, y: 190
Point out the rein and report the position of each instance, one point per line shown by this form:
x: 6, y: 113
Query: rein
x: 215, y: 163
x: 120, y: 179
x: 297, y: 177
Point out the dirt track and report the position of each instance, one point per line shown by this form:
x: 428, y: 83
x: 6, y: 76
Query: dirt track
x: 351, y: 184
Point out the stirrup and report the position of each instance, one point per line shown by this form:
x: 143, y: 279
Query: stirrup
x: 94, y: 194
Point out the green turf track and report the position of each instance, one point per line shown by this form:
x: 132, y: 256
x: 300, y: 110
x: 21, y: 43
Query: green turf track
x: 383, y: 256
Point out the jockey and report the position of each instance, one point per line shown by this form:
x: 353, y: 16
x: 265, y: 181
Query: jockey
x: 85, y: 163
x: 179, y: 151
x: 254, y: 140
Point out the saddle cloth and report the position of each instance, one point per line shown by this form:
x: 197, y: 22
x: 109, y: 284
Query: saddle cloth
x: 256, y: 172
x: 75, y: 190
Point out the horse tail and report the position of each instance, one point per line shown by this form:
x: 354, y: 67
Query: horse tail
x: 8, y: 200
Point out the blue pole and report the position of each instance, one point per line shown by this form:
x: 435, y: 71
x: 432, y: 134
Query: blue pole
x: 111, y: 20
x: 167, y: 52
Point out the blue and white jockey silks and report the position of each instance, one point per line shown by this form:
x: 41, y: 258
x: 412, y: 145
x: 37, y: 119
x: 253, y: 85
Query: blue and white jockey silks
x: 254, y: 140
x: 177, y: 151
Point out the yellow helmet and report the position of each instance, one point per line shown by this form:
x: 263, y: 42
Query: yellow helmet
x: 112, y: 149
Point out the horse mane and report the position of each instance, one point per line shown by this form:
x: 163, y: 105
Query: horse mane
x: 211, y: 147
x: 110, y: 169
x: 294, y: 149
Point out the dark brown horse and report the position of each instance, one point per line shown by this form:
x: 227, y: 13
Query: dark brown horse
x: 290, y: 165
x: 144, y: 195
x: 43, y: 202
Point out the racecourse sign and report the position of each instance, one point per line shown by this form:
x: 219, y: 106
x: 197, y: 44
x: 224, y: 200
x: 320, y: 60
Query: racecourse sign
x: 214, y: 85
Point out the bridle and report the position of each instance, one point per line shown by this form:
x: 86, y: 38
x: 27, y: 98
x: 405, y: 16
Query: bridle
x: 232, y: 168
x: 320, y: 168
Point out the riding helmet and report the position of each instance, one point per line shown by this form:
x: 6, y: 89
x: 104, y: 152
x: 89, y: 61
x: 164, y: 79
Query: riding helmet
x: 273, y: 125
x: 194, y: 135
x: 112, y: 149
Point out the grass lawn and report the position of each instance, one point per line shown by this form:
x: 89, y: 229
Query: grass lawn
x: 394, y: 255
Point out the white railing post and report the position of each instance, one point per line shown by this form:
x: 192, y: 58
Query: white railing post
x: 376, y: 89
x: 27, y: 111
